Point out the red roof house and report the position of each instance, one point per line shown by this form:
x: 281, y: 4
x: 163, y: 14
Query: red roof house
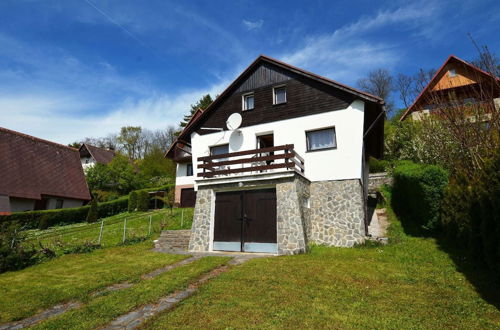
x: 37, y: 174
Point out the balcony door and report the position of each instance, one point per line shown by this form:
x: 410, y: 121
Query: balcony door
x: 265, y: 141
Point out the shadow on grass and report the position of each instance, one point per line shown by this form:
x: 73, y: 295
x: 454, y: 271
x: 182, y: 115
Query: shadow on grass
x: 485, y: 281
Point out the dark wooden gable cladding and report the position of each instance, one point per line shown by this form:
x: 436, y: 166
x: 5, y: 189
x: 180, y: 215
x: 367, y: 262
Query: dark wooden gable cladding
x: 305, y: 97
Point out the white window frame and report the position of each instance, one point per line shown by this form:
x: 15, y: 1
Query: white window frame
x: 244, y: 104
x: 322, y: 129
x: 274, y: 94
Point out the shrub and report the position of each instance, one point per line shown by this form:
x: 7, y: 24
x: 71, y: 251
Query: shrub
x: 93, y: 214
x: 32, y: 219
x: 377, y: 166
x: 14, y: 254
x: 417, y: 194
x: 132, y: 201
x: 45, y: 221
x: 471, y: 213
x: 142, y: 201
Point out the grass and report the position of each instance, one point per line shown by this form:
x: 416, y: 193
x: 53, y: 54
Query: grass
x: 99, y: 311
x: 410, y: 283
x: 58, y: 238
x: 73, y: 277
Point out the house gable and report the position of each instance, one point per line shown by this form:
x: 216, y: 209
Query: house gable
x: 305, y: 97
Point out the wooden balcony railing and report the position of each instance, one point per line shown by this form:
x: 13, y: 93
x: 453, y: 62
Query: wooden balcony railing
x: 259, y: 161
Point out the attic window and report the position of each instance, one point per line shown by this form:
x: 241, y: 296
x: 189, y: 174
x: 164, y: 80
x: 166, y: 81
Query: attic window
x: 248, y: 101
x: 279, y: 95
x: 452, y: 73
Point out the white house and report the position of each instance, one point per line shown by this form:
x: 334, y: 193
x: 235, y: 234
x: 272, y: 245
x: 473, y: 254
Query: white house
x: 90, y: 155
x: 293, y: 171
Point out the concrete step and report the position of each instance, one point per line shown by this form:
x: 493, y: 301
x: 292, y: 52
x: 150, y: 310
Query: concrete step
x: 173, y: 240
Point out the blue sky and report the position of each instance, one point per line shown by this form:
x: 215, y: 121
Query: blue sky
x: 76, y: 68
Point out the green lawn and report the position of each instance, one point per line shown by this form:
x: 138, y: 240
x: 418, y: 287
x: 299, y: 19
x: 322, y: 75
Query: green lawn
x: 72, y: 277
x: 137, y: 226
x: 101, y: 310
x: 410, y: 283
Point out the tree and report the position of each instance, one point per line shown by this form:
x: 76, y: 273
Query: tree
x: 132, y: 201
x: 142, y: 201
x: 99, y: 177
x: 130, y: 140
x: 202, y: 103
x: 124, y: 175
x: 379, y: 82
x: 75, y: 144
x: 93, y: 214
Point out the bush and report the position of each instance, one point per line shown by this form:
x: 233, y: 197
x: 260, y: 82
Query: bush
x: 44, y: 223
x: 417, y: 194
x: 14, y: 254
x: 142, y: 201
x: 132, y: 201
x: 32, y: 219
x: 93, y: 214
x: 471, y: 213
x: 377, y: 166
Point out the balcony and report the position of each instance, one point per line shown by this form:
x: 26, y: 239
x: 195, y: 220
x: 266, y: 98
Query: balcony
x: 251, y: 162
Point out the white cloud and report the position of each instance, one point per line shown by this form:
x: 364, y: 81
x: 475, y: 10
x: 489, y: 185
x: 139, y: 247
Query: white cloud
x: 253, y: 25
x: 53, y: 117
x: 349, y: 52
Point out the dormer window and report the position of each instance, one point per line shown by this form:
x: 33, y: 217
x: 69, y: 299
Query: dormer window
x: 248, y: 101
x: 279, y: 95
x: 452, y: 73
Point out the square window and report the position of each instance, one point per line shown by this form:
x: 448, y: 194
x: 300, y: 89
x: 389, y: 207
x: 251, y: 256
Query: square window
x: 59, y: 203
x: 189, y: 169
x: 248, y: 101
x: 219, y: 150
x: 321, y: 139
x: 452, y: 73
x: 279, y: 95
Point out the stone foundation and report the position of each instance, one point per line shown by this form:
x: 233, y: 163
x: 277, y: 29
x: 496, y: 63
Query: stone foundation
x: 337, y: 213
x: 326, y: 212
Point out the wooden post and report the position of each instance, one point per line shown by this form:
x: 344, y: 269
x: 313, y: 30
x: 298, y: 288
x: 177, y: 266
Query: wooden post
x: 149, y: 231
x: 100, y: 232
x: 124, y: 230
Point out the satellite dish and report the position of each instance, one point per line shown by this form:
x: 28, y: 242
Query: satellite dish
x: 233, y: 122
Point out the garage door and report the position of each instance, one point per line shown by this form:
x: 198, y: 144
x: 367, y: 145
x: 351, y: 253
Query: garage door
x: 245, y: 221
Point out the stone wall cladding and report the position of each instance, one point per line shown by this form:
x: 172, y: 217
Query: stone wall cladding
x: 200, y: 230
x: 337, y: 213
x: 291, y: 214
x: 376, y: 180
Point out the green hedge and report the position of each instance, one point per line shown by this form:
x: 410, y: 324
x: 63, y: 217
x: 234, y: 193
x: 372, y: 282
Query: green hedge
x: 48, y: 218
x: 471, y: 213
x: 417, y: 194
x: 378, y: 165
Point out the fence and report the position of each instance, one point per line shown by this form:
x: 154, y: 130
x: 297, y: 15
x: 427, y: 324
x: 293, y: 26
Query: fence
x: 114, y: 230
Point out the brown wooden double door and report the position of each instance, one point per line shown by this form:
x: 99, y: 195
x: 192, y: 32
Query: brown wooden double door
x: 245, y: 221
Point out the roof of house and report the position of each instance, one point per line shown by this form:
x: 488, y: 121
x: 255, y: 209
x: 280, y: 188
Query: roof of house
x: 31, y: 167
x: 100, y: 155
x: 435, y: 78
x: 261, y: 59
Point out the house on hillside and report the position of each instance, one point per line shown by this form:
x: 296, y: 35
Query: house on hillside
x: 36, y: 174
x: 456, y: 85
x: 278, y: 160
x: 90, y: 155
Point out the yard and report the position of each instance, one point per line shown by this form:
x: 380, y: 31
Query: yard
x: 410, y: 283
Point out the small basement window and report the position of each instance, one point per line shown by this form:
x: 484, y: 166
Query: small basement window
x: 248, y: 101
x: 189, y: 169
x: 279, y: 95
x: 59, y: 203
x: 321, y: 139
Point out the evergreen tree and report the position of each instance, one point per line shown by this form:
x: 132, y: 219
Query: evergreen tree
x: 202, y: 103
x: 93, y: 214
x: 132, y: 201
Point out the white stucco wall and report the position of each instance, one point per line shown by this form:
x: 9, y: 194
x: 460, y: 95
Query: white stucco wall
x: 181, y: 178
x: 87, y: 162
x: 344, y: 162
